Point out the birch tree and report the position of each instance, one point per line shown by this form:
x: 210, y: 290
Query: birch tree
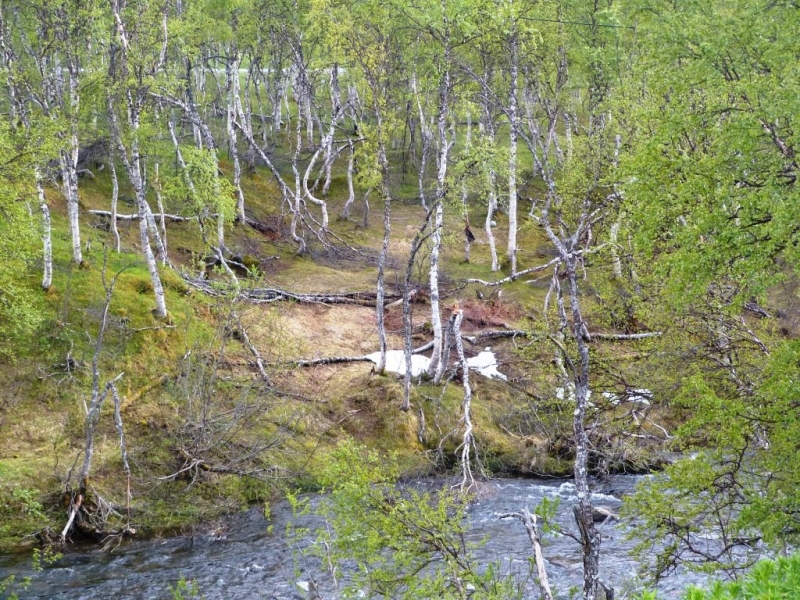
x: 368, y: 38
x: 710, y: 190
x: 136, y: 55
x: 35, y: 127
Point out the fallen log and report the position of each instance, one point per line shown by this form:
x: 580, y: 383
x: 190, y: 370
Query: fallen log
x: 135, y: 216
x: 254, y: 223
x: 331, y: 360
x: 267, y: 295
x: 625, y: 336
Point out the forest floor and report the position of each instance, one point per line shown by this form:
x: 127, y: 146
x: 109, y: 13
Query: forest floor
x: 206, y: 436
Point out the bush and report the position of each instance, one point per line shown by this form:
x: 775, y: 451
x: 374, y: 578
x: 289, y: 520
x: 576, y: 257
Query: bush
x: 768, y: 580
x: 403, y: 543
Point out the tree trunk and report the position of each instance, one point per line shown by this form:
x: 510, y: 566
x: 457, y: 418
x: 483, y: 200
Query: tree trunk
x: 232, y: 77
x: 70, y: 160
x: 114, y: 198
x: 491, y: 178
x: 387, y: 225
x: 437, y: 367
x: 425, y: 135
x: 162, y: 224
x: 512, y: 154
x: 464, y: 192
x: 245, y: 111
x: 298, y: 193
x: 489, y: 223
x: 336, y: 111
x: 47, y: 275
x: 69, y: 186
x: 467, y: 441
x: 407, y: 325
x: 155, y: 234
x: 132, y: 162
x: 584, y: 513
x: 351, y: 196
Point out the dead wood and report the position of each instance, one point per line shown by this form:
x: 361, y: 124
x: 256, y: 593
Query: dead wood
x: 625, y: 336
x: 253, y: 350
x: 267, y: 295
x: 529, y: 521
x: 136, y: 216
x: 331, y: 360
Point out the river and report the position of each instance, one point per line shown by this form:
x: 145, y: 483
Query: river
x: 245, y: 558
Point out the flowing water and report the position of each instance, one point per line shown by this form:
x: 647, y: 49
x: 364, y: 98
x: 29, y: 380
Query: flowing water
x: 246, y: 558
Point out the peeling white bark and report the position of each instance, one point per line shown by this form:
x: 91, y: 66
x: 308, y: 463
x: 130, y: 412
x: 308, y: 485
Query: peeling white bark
x: 232, y: 79
x: 351, y: 195
x: 512, y: 155
x: 47, y: 244
x: 114, y: 199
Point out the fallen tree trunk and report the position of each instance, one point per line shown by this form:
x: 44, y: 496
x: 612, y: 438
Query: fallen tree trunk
x: 136, y: 216
x: 267, y: 295
x: 334, y: 360
x: 529, y: 521
x: 331, y: 360
x: 511, y: 333
x: 253, y: 223
x: 625, y: 336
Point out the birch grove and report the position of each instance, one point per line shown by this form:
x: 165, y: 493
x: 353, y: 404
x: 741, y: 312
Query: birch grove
x: 311, y: 108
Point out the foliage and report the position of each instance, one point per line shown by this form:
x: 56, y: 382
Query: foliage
x: 405, y: 543
x: 767, y: 580
x: 185, y: 590
x: 10, y: 586
x: 742, y: 482
x: 20, y: 306
x: 708, y: 171
x: 211, y: 193
x: 710, y: 166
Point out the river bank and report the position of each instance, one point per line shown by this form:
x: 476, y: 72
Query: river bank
x: 248, y: 555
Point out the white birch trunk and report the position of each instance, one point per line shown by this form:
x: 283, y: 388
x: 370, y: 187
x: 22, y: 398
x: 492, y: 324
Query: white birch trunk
x: 467, y: 440
x: 232, y: 76
x: 425, y: 134
x: 491, y: 182
x: 69, y: 186
x: 161, y: 249
x: 512, y: 155
x: 351, y: 195
x: 298, y: 193
x: 307, y: 192
x: 437, y: 366
x: 162, y: 224
x: 47, y: 244
x: 69, y: 168
x: 616, y: 263
x: 114, y: 198
x: 464, y: 191
x: 491, y: 208
x: 336, y: 112
x: 381, y: 291
x: 387, y: 224
x: 132, y: 161
x: 245, y: 111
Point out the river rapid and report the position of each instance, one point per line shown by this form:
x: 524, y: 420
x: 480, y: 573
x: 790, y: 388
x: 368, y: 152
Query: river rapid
x: 249, y: 557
